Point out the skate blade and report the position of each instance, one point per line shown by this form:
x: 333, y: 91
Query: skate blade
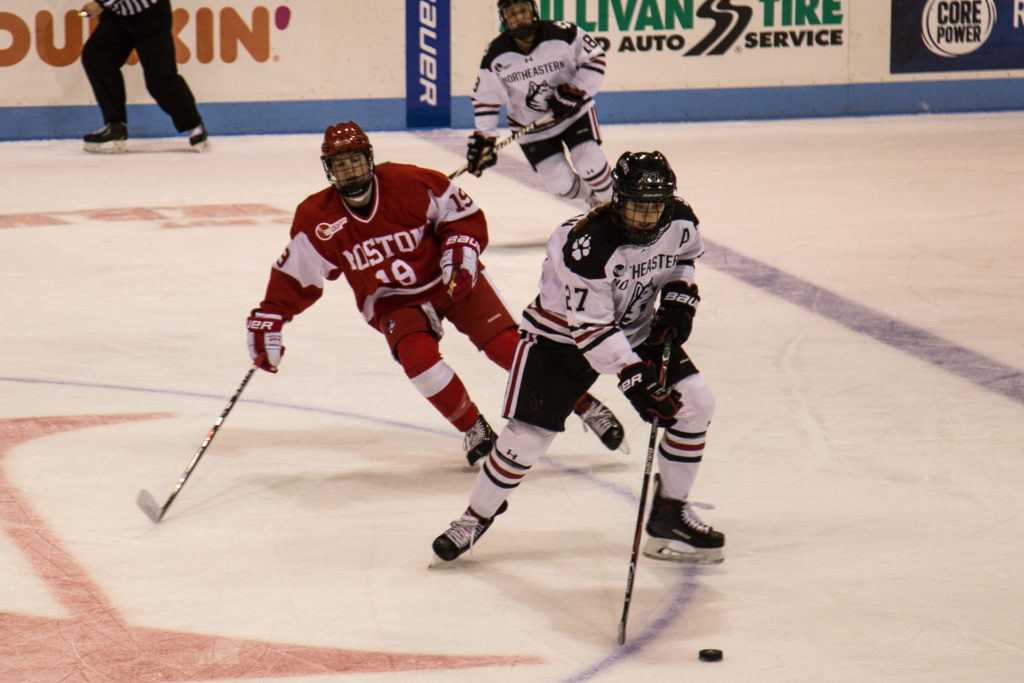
x: 437, y: 563
x: 672, y: 551
x: 624, y: 446
x: 203, y: 146
x: 113, y: 147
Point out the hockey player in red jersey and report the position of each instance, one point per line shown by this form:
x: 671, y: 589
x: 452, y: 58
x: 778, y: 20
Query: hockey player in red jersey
x: 595, y: 313
x: 408, y: 242
x: 546, y: 72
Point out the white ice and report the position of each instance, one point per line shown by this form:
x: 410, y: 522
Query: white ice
x: 871, y: 496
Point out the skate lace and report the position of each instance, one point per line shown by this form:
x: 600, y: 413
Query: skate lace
x: 476, y: 434
x: 691, y: 519
x: 598, y: 418
x: 463, y: 531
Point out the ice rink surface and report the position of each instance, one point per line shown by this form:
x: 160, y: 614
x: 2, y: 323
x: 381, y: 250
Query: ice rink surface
x: 862, y: 327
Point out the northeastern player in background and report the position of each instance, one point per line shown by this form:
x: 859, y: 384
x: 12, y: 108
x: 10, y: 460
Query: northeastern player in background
x: 595, y: 313
x: 408, y: 241
x: 548, y: 69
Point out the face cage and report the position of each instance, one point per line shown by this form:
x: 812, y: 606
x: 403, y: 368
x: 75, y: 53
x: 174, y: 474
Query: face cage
x: 525, y: 31
x: 636, y: 235
x: 354, y: 189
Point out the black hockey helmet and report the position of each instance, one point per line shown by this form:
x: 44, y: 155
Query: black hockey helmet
x: 643, y: 186
x: 342, y: 138
x: 521, y: 32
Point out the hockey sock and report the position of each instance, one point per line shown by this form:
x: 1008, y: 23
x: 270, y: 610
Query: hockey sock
x: 502, y: 347
x: 679, y: 457
x: 518, y: 448
x: 421, y: 359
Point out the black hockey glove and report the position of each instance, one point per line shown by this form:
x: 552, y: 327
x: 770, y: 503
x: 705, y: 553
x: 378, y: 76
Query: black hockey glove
x: 639, y: 382
x: 565, y: 100
x: 675, y: 313
x: 480, y: 153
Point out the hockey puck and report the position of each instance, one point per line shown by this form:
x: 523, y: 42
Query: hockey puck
x: 710, y: 655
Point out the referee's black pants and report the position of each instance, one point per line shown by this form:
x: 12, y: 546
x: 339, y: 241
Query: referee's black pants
x: 149, y: 34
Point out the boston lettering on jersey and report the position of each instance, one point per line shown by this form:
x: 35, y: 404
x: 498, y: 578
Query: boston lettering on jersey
x: 366, y: 254
x: 527, y: 74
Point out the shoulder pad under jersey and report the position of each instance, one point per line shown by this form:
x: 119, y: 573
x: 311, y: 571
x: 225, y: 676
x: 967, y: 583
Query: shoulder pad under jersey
x: 682, y: 211
x: 498, y: 47
x: 590, y: 243
x: 556, y: 30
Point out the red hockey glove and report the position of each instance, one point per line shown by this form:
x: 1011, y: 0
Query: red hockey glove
x: 675, y: 313
x: 565, y: 100
x: 458, y: 265
x: 639, y: 382
x: 265, y: 347
x: 480, y: 153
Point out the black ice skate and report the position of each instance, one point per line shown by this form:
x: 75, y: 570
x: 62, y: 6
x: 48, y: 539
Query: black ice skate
x: 602, y: 422
x: 463, y: 533
x: 197, y: 138
x: 675, y: 533
x: 110, y: 139
x: 479, y: 441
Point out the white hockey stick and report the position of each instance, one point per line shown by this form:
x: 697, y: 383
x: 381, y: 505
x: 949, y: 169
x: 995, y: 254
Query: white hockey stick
x: 145, y: 500
x: 666, y: 353
x: 508, y: 140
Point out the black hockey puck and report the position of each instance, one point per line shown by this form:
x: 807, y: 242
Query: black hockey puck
x: 710, y: 655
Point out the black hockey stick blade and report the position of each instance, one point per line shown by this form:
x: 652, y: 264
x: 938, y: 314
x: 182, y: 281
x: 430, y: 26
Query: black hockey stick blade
x: 149, y: 506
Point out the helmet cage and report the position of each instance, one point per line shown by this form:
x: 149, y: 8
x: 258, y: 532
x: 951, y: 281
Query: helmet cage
x: 340, y: 139
x: 520, y: 32
x: 642, y: 178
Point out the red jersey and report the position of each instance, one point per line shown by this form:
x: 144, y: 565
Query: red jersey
x: 390, y: 258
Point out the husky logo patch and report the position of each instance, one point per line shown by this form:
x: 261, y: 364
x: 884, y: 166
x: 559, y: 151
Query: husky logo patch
x: 537, y: 96
x: 581, y: 247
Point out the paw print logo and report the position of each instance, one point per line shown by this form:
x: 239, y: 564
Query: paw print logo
x: 581, y: 247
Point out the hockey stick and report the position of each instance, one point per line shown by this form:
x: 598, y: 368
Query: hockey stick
x: 666, y: 353
x: 508, y: 140
x: 145, y: 499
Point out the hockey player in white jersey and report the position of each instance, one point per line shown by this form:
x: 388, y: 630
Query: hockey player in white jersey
x: 549, y: 69
x: 596, y: 313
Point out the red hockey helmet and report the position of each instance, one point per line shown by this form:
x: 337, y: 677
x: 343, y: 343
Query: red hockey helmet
x: 340, y: 140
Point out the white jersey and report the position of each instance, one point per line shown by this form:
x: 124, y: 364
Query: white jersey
x: 562, y: 53
x: 599, y: 291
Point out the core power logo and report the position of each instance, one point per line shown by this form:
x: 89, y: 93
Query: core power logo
x: 956, y: 35
x: 957, y: 27
x: 698, y: 28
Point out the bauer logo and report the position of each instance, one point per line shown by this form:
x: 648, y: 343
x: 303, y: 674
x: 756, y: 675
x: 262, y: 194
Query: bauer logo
x: 428, y: 61
x: 205, y: 36
x: 956, y: 35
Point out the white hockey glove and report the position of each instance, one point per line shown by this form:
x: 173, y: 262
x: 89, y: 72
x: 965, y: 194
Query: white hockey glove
x: 459, y: 255
x: 265, y: 346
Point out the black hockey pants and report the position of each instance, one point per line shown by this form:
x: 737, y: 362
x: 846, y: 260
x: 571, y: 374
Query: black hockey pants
x: 149, y: 34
